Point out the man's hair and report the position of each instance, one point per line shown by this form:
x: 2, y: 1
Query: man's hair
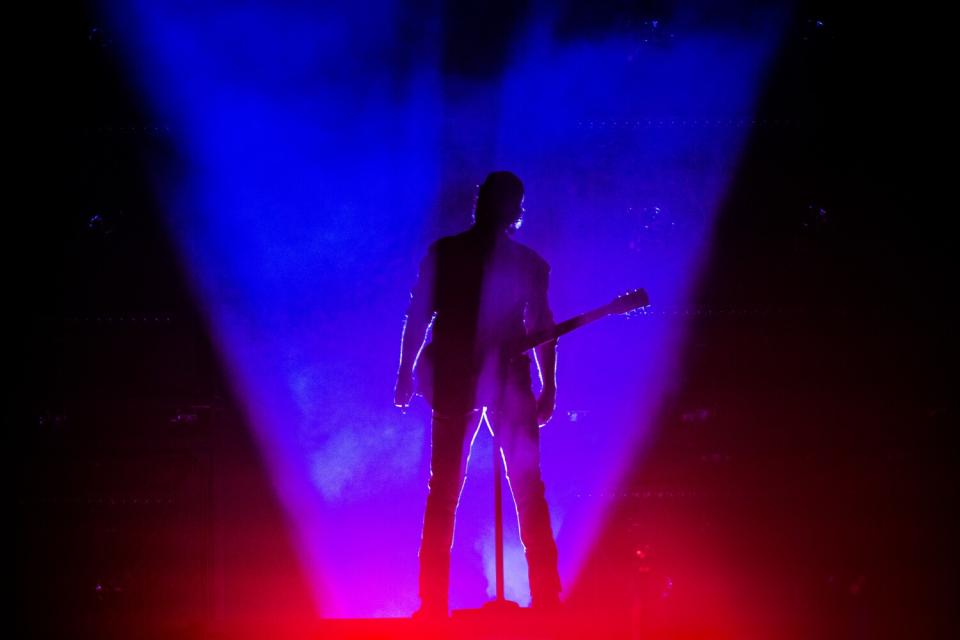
x: 498, y: 201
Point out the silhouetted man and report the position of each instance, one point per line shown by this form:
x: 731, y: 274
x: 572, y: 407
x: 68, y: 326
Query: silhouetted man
x: 478, y: 291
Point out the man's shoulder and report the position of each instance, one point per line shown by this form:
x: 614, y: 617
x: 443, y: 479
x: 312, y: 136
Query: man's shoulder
x: 454, y: 244
x: 533, y: 259
x: 448, y: 242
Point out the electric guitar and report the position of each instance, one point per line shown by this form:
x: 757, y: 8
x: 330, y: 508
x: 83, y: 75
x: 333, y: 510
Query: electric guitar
x: 475, y: 373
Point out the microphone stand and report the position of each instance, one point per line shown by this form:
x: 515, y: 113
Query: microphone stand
x: 500, y: 604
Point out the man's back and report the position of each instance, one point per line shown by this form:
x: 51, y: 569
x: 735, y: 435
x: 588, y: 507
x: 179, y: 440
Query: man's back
x: 486, y: 291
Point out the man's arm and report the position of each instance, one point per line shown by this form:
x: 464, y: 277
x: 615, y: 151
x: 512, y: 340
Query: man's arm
x: 538, y: 317
x: 418, y: 319
x: 546, y: 355
x: 414, y: 332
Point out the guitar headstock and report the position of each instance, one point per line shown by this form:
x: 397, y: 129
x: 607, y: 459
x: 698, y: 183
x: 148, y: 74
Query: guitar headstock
x: 628, y: 301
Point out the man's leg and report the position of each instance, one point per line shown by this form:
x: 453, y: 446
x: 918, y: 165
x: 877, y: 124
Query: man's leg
x: 448, y: 465
x: 520, y: 440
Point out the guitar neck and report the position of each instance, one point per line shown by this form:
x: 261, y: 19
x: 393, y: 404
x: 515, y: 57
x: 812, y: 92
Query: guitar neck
x: 547, y: 335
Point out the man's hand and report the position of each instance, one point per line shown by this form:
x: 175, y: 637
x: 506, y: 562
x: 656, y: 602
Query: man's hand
x: 546, y: 403
x: 404, y: 389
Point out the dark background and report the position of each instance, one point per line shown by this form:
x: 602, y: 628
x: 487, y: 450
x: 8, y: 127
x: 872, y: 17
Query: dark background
x: 811, y: 432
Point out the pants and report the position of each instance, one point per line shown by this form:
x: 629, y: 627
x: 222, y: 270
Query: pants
x: 515, y: 422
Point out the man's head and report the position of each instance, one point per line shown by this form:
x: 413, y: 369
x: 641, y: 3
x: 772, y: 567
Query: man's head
x: 499, y: 202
